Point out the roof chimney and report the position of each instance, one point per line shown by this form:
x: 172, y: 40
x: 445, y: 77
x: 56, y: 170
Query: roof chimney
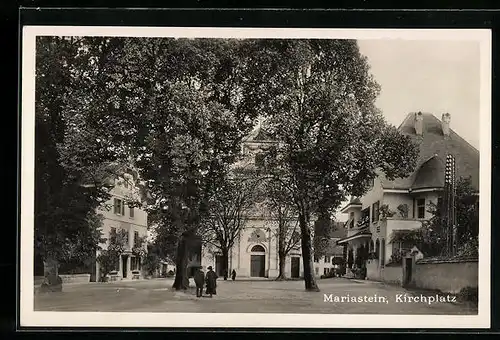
x: 419, y: 123
x: 445, y: 123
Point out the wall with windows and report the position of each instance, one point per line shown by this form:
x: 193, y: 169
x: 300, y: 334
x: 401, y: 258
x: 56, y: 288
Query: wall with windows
x: 398, y: 224
x: 322, y: 265
x: 119, y: 213
x: 372, y: 196
x: 393, y: 200
x: 257, y: 233
x: 354, y: 215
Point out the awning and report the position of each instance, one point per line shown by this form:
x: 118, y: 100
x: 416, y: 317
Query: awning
x: 360, y: 235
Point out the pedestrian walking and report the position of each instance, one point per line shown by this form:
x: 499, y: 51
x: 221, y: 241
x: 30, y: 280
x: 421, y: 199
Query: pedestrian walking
x: 211, y: 280
x: 233, y: 275
x: 199, y: 280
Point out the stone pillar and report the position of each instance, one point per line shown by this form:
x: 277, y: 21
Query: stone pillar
x: 276, y: 257
x: 50, y: 267
x: 269, y: 253
x: 230, y: 264
x: 120, y: 266
x: 97, y: 272
x: 239, y: 250
x: 129, y: 270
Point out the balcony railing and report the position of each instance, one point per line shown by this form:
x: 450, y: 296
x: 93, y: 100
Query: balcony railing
x: 363, y: 222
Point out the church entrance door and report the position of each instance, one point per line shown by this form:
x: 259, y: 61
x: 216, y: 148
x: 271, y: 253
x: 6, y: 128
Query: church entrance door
x: 257, y: 265
x: 295, y: 267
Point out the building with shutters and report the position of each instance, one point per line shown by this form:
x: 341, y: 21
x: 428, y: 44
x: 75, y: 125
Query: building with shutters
x: 369, y: 233
x: 123, y: 211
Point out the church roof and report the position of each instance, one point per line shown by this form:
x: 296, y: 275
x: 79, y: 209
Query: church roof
x: 433, y: 149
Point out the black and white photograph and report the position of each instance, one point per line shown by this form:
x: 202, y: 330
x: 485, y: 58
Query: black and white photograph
x: 220, y: 177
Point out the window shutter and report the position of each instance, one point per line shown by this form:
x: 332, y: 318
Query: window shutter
x: 123, y: 208
x: 116, y: 206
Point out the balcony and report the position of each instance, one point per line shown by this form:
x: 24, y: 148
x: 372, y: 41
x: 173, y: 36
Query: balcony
x: 364, y: 222
x: 392, y: 224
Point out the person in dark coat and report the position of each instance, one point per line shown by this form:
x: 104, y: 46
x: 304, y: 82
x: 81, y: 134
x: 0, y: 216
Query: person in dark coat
x: 233, y: 275
x: 211, y: 280
x: 199, y: 280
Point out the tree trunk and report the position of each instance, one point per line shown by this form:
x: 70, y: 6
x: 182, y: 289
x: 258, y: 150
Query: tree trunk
x: 309, y: 279
x: 225, y: 263
x: 181, y: 281
x: 282, y: 262
x: 50, y: 267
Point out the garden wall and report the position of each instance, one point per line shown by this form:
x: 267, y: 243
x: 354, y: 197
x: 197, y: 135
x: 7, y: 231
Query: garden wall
x: 392, y: 274
x: 448, y: 276
x: 389, y: 274
x: 74, y: 278
x: 372, y: 270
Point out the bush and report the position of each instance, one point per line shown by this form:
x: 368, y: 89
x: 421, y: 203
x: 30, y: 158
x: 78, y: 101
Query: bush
x: 396, y: 259
x: 330, y: 274
x: 469, y: 249
x: 469, y: 294
x: 359, y: 273
x: 170, y: 273
x: 151, y: 263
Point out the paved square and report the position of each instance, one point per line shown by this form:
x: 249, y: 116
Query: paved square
x: 246, y: 297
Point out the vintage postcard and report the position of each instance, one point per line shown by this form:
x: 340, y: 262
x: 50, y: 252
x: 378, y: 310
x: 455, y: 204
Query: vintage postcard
x: 255, y: 178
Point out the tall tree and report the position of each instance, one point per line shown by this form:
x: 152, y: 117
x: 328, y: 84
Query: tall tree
x: 467, y: 210
x: 229, y: 209
x: 68, y: 147
x: 319, y: 98
x: 283, y: 214
x: 189, y: 112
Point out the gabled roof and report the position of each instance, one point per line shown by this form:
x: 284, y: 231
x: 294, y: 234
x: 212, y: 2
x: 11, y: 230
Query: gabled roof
x: 427, y: 176
x: 355, y: 201
x: 434, y: 147
x: 362, y: 233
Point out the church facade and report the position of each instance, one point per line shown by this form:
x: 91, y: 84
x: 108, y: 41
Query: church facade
x: 255, y: 254
x: 255, y: 251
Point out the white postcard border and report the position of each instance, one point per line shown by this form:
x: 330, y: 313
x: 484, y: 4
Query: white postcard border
x: 29, y: 317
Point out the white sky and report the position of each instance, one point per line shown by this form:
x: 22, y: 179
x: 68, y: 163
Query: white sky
x: 428, y: 76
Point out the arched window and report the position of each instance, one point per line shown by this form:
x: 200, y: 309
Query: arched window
x: 258, y: 249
